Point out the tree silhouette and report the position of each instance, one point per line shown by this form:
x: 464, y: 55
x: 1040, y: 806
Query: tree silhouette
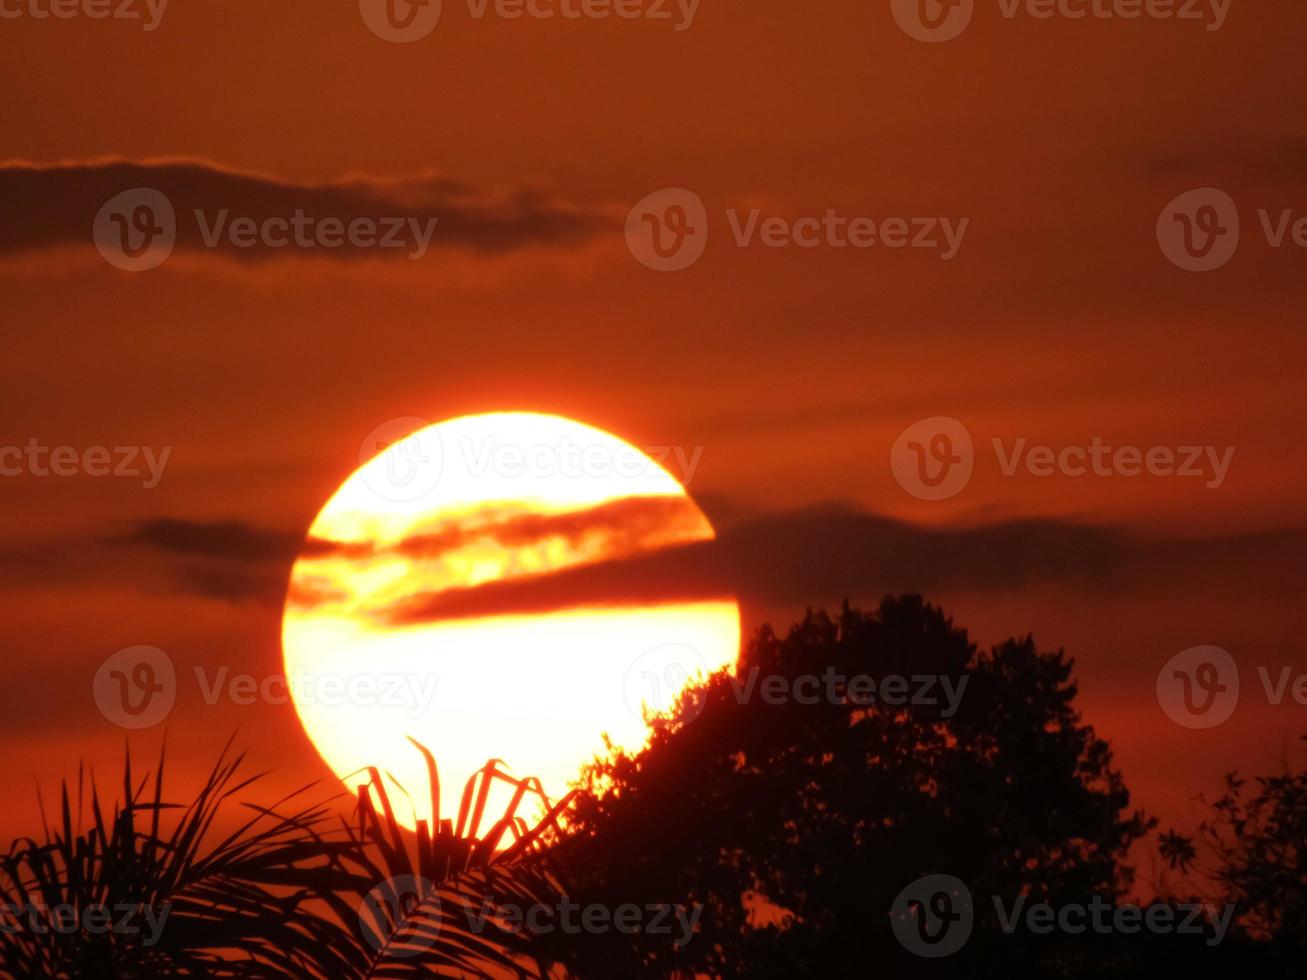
x: 1251, y: 849
x: 795, y: 825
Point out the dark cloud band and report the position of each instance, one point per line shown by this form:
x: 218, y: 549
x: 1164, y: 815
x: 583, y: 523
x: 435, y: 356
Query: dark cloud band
x: 56, y: 205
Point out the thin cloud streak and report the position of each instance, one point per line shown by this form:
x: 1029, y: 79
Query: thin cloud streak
x: 48, y: 206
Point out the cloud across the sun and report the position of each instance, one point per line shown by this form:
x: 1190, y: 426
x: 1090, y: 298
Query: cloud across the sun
x: 826, y: 553
x: 808, y: 556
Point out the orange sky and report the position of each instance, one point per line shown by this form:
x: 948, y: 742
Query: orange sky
x: 794, y: 370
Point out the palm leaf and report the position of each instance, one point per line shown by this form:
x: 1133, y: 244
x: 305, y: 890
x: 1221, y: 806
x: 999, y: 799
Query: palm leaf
x: 294, y: 890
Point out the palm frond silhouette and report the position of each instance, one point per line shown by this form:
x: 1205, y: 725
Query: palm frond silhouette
x: 149, y: 888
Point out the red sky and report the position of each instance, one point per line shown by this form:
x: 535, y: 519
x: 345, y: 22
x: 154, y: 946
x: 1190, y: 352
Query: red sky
x: 794, y: 370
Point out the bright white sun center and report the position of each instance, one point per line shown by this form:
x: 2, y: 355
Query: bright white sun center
x: 456, y: 591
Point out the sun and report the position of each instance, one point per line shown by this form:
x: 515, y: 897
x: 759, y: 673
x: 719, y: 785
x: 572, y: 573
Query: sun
x: 447, y: 593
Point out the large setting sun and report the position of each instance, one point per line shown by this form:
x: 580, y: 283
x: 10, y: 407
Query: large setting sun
x: 376, y: 653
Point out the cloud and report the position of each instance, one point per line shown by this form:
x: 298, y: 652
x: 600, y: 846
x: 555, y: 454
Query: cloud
x: 827, y: 553
x: 215, y: 539
x: 605, y: 532
x: 811, y: 556
x: 624, y: 525
x: 1235, y: 162
x: 234, y: 561
x: 48, y: 206
x: 224, y: 560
